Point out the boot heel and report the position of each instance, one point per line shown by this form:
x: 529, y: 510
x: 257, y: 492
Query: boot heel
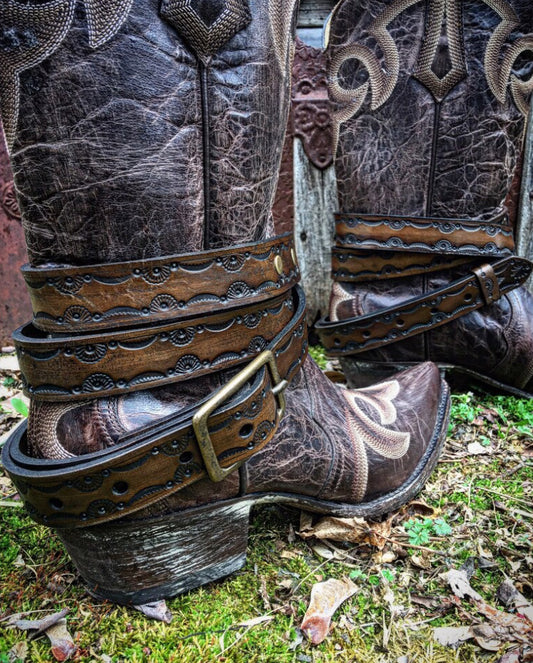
x: 139, y: 561
x: 361, y: 374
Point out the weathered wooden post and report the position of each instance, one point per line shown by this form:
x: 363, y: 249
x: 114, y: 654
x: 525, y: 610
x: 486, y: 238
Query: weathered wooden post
x: 307, y: 194
x: 524, y: 233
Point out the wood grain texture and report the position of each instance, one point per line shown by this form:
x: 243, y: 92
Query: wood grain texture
x: 315, y: 198
x: 524, y: 233
x: 313, y: 13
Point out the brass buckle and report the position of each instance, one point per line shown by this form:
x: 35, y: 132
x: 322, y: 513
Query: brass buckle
x: 199, y: 420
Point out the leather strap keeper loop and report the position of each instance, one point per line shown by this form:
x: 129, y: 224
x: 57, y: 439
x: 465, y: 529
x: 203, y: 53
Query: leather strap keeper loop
x: 165, y: 456
x: 126, y: 294
x: 488, y: 282
x: 425, y: 234
x: 420, y: 314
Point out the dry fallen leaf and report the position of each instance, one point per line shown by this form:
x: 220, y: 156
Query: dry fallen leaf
x: 290, y: 554
x: 458, y: 581
x: 326, y: 597
x: 451, y: 636
x: 503, y: 627
x: 63, y: 646
x: 420, y: 561
x: 510, y: 596
x: 384, y: 557
x: 19, y: 651
x: 419, y: 508
x: 353, y: 530
x: 55, y: 628
x: 511, y: 657
x: 254, y: 621
x: 156, y: 610
x: 477, y: 449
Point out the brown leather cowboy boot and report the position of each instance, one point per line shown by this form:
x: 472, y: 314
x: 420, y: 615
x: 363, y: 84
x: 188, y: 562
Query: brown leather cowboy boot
x: 168, y: 328
x: 431, y: 105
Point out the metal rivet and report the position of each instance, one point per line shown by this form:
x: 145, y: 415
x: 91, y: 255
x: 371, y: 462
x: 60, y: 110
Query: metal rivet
x: 278, y: 264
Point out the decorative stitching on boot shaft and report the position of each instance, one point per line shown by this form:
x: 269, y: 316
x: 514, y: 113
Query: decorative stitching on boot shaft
x: 443, y: 41
x: 31, y: 33
x: 206, y: 25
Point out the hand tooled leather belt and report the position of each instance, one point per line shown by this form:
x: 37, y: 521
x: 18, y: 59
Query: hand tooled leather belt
x: 417, y: 246
x: 204, y: 332
x: 425, y: 234
x: 210, y: 439
x: 142, y: 292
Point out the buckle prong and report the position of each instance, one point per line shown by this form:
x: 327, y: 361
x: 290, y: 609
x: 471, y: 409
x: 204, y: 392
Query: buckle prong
x: 266, y: 358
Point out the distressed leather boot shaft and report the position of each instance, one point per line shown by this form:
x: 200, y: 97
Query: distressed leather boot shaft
x: 166, y: 359
x: 431, y: 100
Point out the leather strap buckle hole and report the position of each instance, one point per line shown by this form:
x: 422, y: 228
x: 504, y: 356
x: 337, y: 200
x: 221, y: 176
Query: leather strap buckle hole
x: 200, y: 419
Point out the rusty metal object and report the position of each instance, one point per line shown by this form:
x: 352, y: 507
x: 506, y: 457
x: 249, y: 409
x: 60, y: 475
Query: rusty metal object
x: 15, y: 308
x: 311, y: 111
x: 310, y: 120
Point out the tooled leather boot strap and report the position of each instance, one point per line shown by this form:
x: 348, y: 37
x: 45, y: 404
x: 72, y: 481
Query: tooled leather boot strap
x: 210, y: 439
x: 194, y: 314
x: 152, y: 291
x: 420, y: 314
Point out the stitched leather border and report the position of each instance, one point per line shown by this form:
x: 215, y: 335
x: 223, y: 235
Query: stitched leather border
x: 424, y: 234
x: 92, y: 297
x: 159, y: 459
x: 420, y: 314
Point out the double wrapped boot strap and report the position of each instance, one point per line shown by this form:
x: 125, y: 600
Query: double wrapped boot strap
x: 371, y: 248
x: 256, y: 326
x: 430, y: 104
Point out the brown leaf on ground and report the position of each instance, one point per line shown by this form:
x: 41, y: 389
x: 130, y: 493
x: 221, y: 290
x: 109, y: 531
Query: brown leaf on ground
x: 421, y: 561
x: 53, y: 626
x: 418, y: 508
x: 156, y: 610
x: 39, y: 626
x: 458, y: 581
x: 483, y: 635
x: 477, y: 449
x: 503, y: 627
x: 518, y: 628
x: 63, y: 646
x: 451, y: 636
x: 509, y: 595
x: 486, y: 637
x: 511, y: 657
x: 425, y: 601
x: 19, y: 651
x: 352, y: 530
x: 326, y: 597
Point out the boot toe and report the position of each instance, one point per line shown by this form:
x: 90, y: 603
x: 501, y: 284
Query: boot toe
x: 405, y: 439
